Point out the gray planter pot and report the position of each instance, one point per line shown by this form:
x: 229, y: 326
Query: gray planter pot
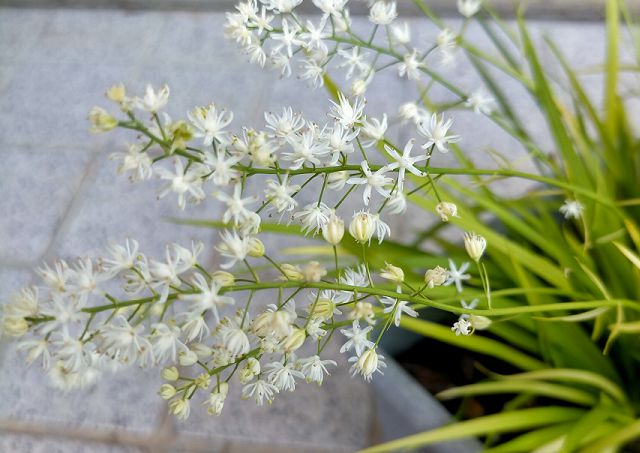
x: 403, y: 408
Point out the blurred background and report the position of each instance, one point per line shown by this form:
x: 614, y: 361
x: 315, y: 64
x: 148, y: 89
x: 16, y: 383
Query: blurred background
x: 60, y: 197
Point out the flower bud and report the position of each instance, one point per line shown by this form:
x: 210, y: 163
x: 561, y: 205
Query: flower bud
x: 408, y: 111
x: 367, y: 364
x: 217, y: 398
x: 323, y: 309
x: 314, y: 271
x: 333, y: 231
x: 256, y: 247
x: 294, y: 340
x: 392, y: 273
x: 480, y: 322
x: 362, y: 226
x: 337, y: 180
x: 187, y: 358
x: 475, y: 245
x: 180, y: 408
x: 362, y: 310
x: 101, y: 120
x: 223, y: 278
x: 170, y: 374
x: 14, y: 326
x: 446, y: 210
x: 203, y: 381
x: 181, y: 133
x: 117, y: 93
x: 436, y: 276
x: 249, y: 371
x: 292, y: 272
x: 202, y: 350
x: 167, y: 391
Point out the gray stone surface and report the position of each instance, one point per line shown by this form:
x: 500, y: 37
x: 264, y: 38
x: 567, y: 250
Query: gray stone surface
x: 38, y: 188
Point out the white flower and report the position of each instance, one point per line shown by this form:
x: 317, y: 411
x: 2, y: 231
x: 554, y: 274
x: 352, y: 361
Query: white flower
x: 281, y: 62
x: 233, y: 247
x: 436, y: 276
x: 330, y: 7
x: 166, y: 342
x: 367, y: 364
x: 65, y: 311
x: 256, y: 54
x: 216, y: 399
x: 397, y: 307
x: 446, y: 209
x: 457, y: 275
x: 288, y: 38
x: 357, y: 338
x: 345, y: 113
x: 236, y: 28
x: 400, y: 34
x: 373, y: 129
x: 461, y: 327
x: 469, y: 306
x: 23, y: 304
x: 283, y: 376
x: 572, y: 209
x: 410, y: 66
x: 279, y: 194
x: 153, y: 101
x: 397, y: 203
x: 194, y: 326
x: 410, y: 111
x: 436, y: 133
x: 286, y: 125
x: 304, y: 148
x: 352, y: 277
x: 313, y: 217
x: 262, y: 21
x: 446, y: 40
x: 314, y: 36
x: 236, y: 209
x: 405, y: 162
x: 256, y: 146
x: 84, y: 279
x: 124, y: 342
x: 376, y: 181
x: 354, y: 60
x: 56, y: 278
x: 480, y: 102
x: 136, y: 161
x: 382, y: 229
x: 186, y: 183
x: 210, y: 123
x: 383, y: 12
x: 220, y: 167
x: 475, y: 245
x: 392, y: 273
x: 122, y: 257
x: 314, y: 369
x: 259, y: 390
x: 314, y: 71
x: 181, y: 408
x: 469, y: 8
x: 207, y: 297
x: 36, y: 349
x: 234, y: 337
x: 337, y: 180
x: 281, y: 6
x: 338, y: 141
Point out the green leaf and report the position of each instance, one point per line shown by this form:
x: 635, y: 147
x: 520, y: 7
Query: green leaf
x: 499, y: 423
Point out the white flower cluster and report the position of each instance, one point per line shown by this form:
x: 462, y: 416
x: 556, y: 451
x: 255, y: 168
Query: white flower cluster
x: 202, y: 325
x: 271, y: 33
